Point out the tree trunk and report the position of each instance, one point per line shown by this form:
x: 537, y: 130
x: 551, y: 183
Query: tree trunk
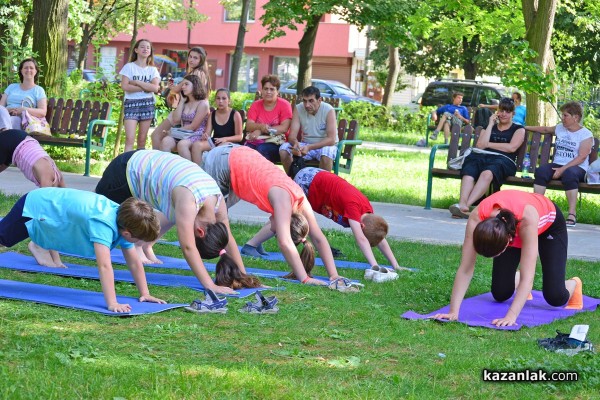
x: 50, y: 41
x: 392, y: 78
x: 27, y: 29
x: 539, y: 22
x: 471, y: 49
x: 306, y: 46
x: 236, y: 59
x: 117, y: 147
x: 83, y: 47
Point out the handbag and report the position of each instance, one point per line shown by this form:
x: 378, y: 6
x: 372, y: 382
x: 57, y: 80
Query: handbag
x: 179, y: 133
x: 297, y: 164
x: 457, y: 162
x: 275, y: 139
x: 35, y: 125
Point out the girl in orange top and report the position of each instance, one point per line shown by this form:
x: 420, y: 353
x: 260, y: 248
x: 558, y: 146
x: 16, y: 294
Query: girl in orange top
x: 513, y: 227
x: 242, y: 172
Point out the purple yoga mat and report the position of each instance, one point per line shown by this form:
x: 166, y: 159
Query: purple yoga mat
x: 481, y: 310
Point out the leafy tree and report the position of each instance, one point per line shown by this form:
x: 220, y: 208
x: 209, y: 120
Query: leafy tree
x: 289, y: 14
x: 50, y: 40
x: 470, y: 34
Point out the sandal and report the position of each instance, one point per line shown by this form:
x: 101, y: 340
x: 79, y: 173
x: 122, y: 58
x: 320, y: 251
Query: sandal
x: 571, y: 220
x: 263, y: 305
x: 345, y: 285
x: 457, y: 212
x: 211, y: 304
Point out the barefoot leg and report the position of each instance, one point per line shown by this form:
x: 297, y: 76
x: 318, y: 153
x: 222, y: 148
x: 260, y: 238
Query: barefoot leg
x: 141, y: 254
x: 42, y: 256
x: 149, y: 253
x: 56, y: 258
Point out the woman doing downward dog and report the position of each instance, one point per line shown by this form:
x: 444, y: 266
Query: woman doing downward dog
x: 514, y: 227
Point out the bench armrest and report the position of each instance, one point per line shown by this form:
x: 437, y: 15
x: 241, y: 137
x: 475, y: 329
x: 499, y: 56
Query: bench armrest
x: 93, y: 123
x: 344, y: 142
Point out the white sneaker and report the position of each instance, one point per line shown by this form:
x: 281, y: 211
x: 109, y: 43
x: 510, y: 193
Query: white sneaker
x: 370, y: 272
x: 384, y: 275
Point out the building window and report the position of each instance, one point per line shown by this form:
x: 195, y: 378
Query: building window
x: 233, y: 10
x: 248, y: 74
x: 286, y: 68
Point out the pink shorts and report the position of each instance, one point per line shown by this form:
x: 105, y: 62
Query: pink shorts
x: 27, y: 153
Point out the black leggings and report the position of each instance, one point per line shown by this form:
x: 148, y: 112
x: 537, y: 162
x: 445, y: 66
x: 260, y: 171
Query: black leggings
x: 113, y: 183
x: 552, y: 247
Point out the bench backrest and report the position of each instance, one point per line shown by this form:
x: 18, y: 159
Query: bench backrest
x: 542, y: 148
x: 347, y: 131
x: 68, y: 117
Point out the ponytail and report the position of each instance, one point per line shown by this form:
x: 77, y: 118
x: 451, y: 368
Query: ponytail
x: 299, y: 231
x: 228, y: 272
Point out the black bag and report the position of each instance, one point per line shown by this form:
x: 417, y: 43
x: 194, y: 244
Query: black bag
x: 297, y: 164
x: 482, y: 117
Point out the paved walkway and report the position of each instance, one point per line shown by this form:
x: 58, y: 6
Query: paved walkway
x: 412, y: 223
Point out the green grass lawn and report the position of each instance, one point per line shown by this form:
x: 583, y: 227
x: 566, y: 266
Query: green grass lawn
x: 322, y: 344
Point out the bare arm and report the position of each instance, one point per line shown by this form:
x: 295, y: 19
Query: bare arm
x: 294, y: 129
x: 3, y: 100
x: 514, y: 144
x: 129, y: 86
x: 465, y: 270
x: 387, y: 252
x: 232, y: 247
x: 541, y: 129
x: 149, y: 87
x: 139, y: 275
x: 107, y: 279
x: 185, y: 215
x: 320, y: 241
x: 362, y: 242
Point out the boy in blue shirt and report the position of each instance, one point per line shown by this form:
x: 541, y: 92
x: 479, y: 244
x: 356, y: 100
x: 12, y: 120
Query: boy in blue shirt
x: 451, y: 114
x: 86, y: 224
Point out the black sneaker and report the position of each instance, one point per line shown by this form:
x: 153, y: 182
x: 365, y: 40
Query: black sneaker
x: 337, y: 253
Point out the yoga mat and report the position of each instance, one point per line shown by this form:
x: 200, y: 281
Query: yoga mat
x: 20, y: 262
x: 179, y: 263
x: 75, y: 298
x: 481, y: 310
x: 274, y: 256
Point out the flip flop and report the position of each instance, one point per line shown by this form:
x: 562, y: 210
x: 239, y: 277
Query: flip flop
x: 457, y: 212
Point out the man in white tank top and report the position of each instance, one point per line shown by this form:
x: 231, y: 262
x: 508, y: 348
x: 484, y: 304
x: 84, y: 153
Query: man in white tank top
x: 316, y: 120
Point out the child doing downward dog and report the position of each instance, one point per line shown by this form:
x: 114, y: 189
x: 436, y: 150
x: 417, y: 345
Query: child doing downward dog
x: 86, y: 224
x: 193, y: 113
x: 225, y: 122
x: 140, y: 80
x: 242, y: 173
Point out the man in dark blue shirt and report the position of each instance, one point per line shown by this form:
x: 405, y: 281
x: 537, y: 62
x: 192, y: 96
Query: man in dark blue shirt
x: 451, y: 114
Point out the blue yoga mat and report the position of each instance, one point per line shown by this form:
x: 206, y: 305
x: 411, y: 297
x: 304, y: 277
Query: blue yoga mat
x: 75, y: 298
x: 179, y: 263
x: 274, y: 256
x: 20, y: 262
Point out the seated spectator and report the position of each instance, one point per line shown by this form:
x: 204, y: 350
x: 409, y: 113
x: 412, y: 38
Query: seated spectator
x: 501, y: 140
x: 25, y: 96
x: 270, y: 115
x: 316, y: 120
x: 450, y: 114
x: 572, y: 147
x: 520, y: 110
x: 193, y: 114
x: 225, y: 122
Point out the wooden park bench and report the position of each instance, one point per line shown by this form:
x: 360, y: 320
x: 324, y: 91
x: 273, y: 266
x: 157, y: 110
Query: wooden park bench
x: 539, y: 146
x: 77, y: 123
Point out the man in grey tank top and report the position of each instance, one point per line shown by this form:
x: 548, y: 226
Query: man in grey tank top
x: 316, y: 120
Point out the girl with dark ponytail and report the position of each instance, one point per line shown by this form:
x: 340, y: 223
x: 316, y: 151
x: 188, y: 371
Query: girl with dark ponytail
x: 514, y: 227
x: 213, y: 244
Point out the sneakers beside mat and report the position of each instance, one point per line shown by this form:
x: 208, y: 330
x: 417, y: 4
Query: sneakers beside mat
x: 564, y: 344
x: 379, y: 274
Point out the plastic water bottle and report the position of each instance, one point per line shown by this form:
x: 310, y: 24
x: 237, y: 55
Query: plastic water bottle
x: 526, y: 165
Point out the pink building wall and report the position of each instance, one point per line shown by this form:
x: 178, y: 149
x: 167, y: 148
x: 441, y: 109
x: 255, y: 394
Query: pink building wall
x: 218, y: 38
